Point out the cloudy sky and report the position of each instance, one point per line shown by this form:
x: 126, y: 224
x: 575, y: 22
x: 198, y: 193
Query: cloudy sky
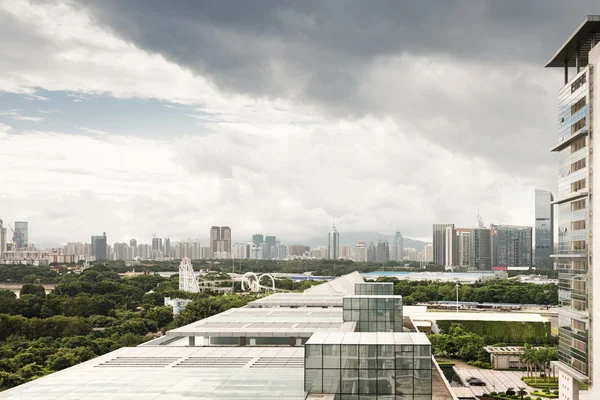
x: 146, y: 117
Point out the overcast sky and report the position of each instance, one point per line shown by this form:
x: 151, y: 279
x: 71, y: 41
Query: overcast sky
x: 146, y: 117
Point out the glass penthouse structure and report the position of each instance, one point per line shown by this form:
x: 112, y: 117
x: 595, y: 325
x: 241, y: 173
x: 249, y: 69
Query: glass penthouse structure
x: 579, y: 340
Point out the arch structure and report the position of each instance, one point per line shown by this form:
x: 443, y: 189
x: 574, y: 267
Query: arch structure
x: 251, y: 282
x: 187, y: 279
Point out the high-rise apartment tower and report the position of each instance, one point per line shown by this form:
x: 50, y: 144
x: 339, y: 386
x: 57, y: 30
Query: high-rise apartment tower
x: 333, y: 244
x: 578, y: 115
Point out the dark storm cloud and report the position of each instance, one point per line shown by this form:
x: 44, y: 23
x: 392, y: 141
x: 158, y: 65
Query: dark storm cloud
x: 321, y: 53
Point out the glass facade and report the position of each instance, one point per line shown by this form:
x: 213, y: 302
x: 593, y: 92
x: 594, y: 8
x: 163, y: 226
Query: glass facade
x: 374, y: 313
x: 374, y: 289
x: 481, y: 245
x: 378, y: 369
x: 573, y: 223
x: 21, y: 235
x: 512, y: 246
x: 544, y: 229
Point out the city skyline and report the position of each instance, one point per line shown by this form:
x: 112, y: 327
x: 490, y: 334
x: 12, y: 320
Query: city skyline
x: 138, y: 135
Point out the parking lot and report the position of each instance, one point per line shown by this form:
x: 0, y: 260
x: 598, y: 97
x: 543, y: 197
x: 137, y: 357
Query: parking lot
x: 497, y: 381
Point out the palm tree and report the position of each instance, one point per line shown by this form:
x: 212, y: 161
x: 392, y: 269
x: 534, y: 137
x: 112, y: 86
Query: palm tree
x: 526, y: 357
x: 535, y: 360
x: 521, y: 392
x: 543, y: 359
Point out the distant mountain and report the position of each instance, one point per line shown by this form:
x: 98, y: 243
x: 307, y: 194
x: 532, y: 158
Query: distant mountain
x: 354, y: 237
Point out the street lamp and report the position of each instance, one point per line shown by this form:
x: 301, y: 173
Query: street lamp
x: 456, y: 296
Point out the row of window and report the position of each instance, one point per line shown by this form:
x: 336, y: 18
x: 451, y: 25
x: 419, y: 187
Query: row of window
x: 578, y: 205
x: 578, y: 345
x: 578, y: 285
x: 577, y: 325
x: 578, y: 365
x: 578, y: 83
x: 578, y: 145
x: 578, y: 245
x: 577, y: 165
x: 578, y: 185
x: 578, y: 125
x: 578, y: 105
x: 578, y: 265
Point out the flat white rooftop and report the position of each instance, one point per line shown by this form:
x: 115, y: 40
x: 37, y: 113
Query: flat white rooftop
x: 267, y: 322
x: 176, y: 373
x: 473, y: 316
x: 298, y: 300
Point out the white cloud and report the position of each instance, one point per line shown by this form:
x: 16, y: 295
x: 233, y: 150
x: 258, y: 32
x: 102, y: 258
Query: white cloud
x: 18, y: 115
x: 267, y: 165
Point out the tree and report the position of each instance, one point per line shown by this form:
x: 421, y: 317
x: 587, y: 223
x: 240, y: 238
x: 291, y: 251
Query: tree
x: 36, y: 290
x: 162, y: 315
x: 62, y: 359
x: 521, y: 392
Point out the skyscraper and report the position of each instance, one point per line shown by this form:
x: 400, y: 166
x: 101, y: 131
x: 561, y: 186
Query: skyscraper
x: 579, y: 339
x: 157, y: 244
x: 2, y: 238
x: 383, y: 252
x: 133, y: 245
x: 167, y: 248
x: 450, y: 248
x: 99, y: 249
x: 544, y: 229
x: 513, y: 246
x: 257, y: 239
x: 371, y: 253
x: 220, y: 242
x: 360, y: 252
x: 333, y: 244
x: 397, y: 248
x: 439, y: 243
x: 481, y: 248
x: 21, y: 235
x: 272, y: 249
x: 463, y: 246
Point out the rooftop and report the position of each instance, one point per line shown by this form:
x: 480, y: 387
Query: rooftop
x: 473, y: 316
x: 586, y: 33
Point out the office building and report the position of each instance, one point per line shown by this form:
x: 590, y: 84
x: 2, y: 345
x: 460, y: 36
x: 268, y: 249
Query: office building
x: 397, y: 248
x: 271, y: 247
x: 371, y: 252
x: 157, y: 244
x: 257, y: 239
x: 21, y: 234
x: 463, y: 247
x: 579, y: 339
x: 220, y: 242
x: 99, y: 247
x: 383, y: 252
x: 544, y: 229
x: 481, y: 248
x: 450, y: 248
x: 333, y: 244
x: 2, y: 238
x: 439, y: 243
x: 512, y: 246
x: 167, y: 247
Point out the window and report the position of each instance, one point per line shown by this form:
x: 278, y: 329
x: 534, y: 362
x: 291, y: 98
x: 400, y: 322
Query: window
x: 578, y: 145
x: 578, y: 83
x: 578, y: 344
x: 578, y: 285
x: 578, y: 205
x: 578, y: 265
x: 578, y: 105
x: 577, y: 185
x: 578, y: 245
x: 578, y: 365
x: 579, y: 305
x: 577, y: 165
x: 577, y: 325
x: 578, y: 125
x: 578, y: 225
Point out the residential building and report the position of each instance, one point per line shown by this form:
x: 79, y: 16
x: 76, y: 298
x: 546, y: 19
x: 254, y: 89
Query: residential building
x: 481, y: 248
x: 133, y: 244
x: 371, y: 253
x: 167, y: 247
x: 411, y: 254
x: 298, y: 250
x: 282, y: 251
x: 21, y: 234
x: 544, y: 229
x: 428, y: 250
x: 99, y: 247
x: 512, y: 247
x: 346, y: 252
x: 579, y: 339
x: 240, y: 251
x: 383, y: 252
x: 157, y: 244
x: 397, y: 248
x: 439, y: 243
x: 360, y: 252
x: 333, y: 244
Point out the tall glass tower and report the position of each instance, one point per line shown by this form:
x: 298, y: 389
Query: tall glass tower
x: 21, y: 235
x: 333, y: 244
x: 579, y: 339
x: 544, y: 229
